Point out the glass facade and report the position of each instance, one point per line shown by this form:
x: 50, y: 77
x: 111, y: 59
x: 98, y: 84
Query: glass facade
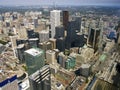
x: 34, y: 62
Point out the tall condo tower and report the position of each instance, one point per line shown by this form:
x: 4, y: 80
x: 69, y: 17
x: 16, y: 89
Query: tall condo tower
x: 55, y: 21
x: 40, y: 80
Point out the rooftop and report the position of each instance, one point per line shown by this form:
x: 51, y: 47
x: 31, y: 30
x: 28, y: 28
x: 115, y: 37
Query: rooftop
x: 55, y: 11
x: 44, y: 31
x: 32, y: 39
x: 85, y: 65
x: 20, y: 46
x: 102, y: 57
x: 50, y: 52
x: 33, y: 52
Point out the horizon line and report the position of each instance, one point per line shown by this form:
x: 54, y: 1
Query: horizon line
x: 117, y: 5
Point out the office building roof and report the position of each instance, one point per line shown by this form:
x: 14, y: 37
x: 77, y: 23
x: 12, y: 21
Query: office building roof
x: 102, y: 57
x: 33, y: 52
x: 85, y: 66
x: 20, y: 46
x: 44, y: 31
x: 55, y: 11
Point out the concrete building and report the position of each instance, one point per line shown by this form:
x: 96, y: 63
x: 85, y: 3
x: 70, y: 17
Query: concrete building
x: 34, y: 58
x: 9, y: 84
x: 53, y: 41
x: 43, y: 36
x: 50, y: 57
x: 85, y: 70
x: 87, y: 53
x: 14, y: 44
x: 20, y: 53
x: 40, y: 80
x: 55, y: 21
x: 45, y: 46
x: 22, y: 32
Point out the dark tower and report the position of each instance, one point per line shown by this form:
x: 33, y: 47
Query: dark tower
x: 65, y: 19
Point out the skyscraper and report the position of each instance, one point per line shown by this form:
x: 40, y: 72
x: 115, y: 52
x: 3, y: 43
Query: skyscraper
x: 34, y: 58
x: 77, y: 23
x: 55, y: 21
x: 59, y: 31
x: 20, y: 53
x: 40, y: 80
x: 30, y: 33
x: 93, y: 37
x: 65, y: 19
x: 60, y: 44
x: 71, y: 34
x: 33, y: 42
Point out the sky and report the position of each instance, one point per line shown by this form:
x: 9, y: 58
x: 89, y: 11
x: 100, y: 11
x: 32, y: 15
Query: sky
x: 60, y: 2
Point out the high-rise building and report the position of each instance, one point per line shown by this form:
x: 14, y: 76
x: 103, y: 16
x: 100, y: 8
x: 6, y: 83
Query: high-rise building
x: 7, y: 23
x: 40, y: 80
x: 93, y: 37
x: 13, y: 40
x: 21, y: 41
x: 30, y: 33
x: 65, y: 19
x: 70, y: 62
x: 60, y: 44
x: 85, y: 70
x: 33, y: 42
x: 55, y: 21
x: 22, y: 32
x: 62, y: 59
x: 44, y: 36
x: 59, y: 32
x: 45, y: 46
x: 34, y: 58
x: 53, y: 41
x: 20, y: 53
x: 35, y: 21
x: 71, y: 34
x: 50, y: 56
x: 14, y: 44
x: 77, y: 23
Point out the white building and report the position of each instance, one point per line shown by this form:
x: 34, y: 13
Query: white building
x: 55, y: 21
x: 14, y: 44
x: 44, y: 36
x: 22, y: 33
x: 50, y: 56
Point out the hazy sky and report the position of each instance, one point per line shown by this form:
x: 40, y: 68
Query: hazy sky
x: 60, y: 2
